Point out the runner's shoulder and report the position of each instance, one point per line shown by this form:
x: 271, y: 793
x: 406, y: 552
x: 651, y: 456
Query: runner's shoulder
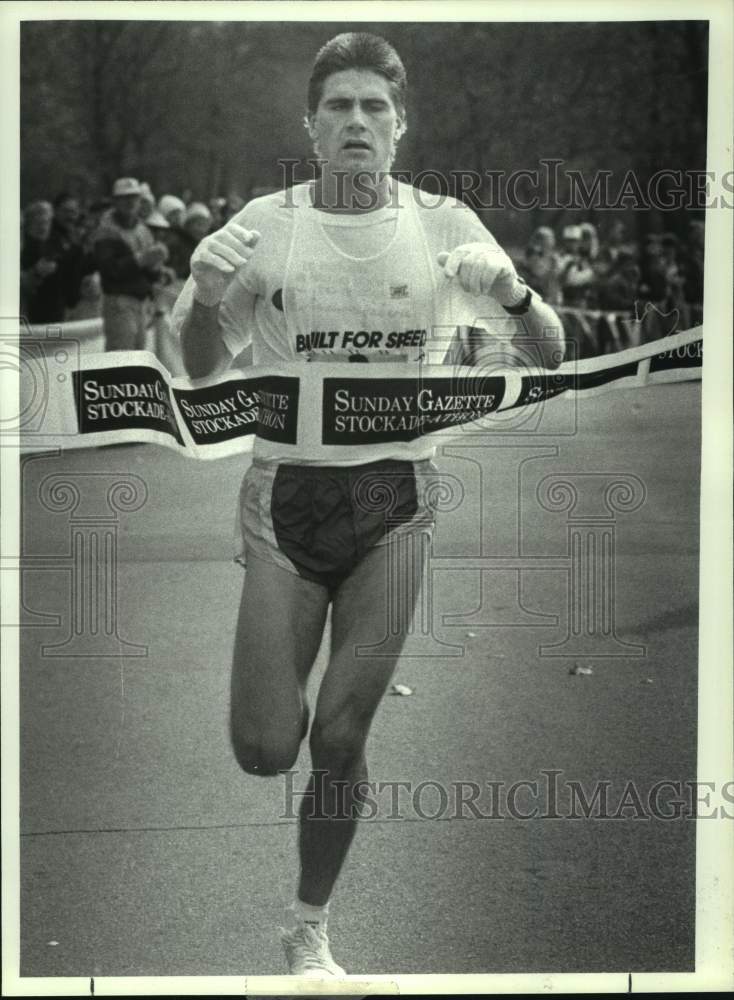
x: 449, y: 220
x: 438, y: 205
x: 274, y: 208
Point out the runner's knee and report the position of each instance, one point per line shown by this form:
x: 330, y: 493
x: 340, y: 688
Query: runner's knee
x: 339, y: 743
x: 266, y: 758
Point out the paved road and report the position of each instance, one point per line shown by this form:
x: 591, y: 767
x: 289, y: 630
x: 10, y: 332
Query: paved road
x: 146, y: 852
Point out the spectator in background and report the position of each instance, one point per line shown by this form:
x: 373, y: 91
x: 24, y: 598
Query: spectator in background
x: 129, y: 261
x: 89, y: 305
x: 52, y: 261
x: 92, y: 219
x: 164, y: 292
x: 540, y: 268
x: 570, y: 243
x: 692, y: 262
x: 620, y: 290
x: 654, y: 285
x: 77, y: 264
x: 234, y: 204
x: 615, y: 244
x: 589, y: 244
x: 157, y: 223
x: 197, y: 224
x: 616, y: 240
x: 41, y: 301
x: 67, y: 217
x: 172, y: 209
x: 146, y: 205
x: 674, y: 276
x: 218, y: 208
x: 160, y: 229
x: 602, y: 268
x: 589, y: 248
x: 576, y: 273
x: 663, y: 278
x: 90, y: 302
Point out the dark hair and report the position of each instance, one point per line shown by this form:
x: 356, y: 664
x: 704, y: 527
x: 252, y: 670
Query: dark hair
x: 358, y: 50
x: 64, y: 196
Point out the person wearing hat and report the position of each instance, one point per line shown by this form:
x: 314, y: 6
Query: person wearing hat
x: 571, y: 239
x: 129, y: 260
x: 197, y: 224
x: 157, y: 222
x: 147, y: 201
x: 589, y: 247
x: 576, y: 274
x: 539, y: 269
x: 197, y: 221
x: 165, y: 290
x: 172, y: 209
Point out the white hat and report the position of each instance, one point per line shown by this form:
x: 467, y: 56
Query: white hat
x: 197, y: 210
x: 146, y: 193
x: 170, y: 203
x: 126, y: 185
x: 157, y: 220
x: 572, y: 233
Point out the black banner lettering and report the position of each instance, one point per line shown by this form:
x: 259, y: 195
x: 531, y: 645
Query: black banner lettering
x: 131, y: 396
x: 687, y: 356
x: 266, y: 406
x: 371, y: 411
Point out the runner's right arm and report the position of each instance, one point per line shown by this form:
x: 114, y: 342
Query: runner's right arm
x: 214, y: 264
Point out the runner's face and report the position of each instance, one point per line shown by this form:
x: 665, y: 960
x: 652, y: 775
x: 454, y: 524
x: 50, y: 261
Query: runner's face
x: 356, y: 121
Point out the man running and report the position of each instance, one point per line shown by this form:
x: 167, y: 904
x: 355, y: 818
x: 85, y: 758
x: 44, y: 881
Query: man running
x: 292, y: 274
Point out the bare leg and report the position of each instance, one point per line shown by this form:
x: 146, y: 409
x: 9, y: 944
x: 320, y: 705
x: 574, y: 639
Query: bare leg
x: 348, y: 698
x: 280, y: 626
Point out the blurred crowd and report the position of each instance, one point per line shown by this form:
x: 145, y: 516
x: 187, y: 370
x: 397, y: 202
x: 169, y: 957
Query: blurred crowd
x: 580, y: 270
x: 113, y: 257
x: 125, y: 257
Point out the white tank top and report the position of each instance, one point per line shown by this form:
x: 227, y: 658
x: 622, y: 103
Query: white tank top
x: 339, y: 307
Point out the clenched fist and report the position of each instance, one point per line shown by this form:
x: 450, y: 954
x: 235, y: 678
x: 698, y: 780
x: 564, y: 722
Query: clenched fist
x: 482, y: 269
x: 217, y: 259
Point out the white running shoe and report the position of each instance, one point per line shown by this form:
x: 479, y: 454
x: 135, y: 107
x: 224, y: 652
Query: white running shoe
x: 307, y: 951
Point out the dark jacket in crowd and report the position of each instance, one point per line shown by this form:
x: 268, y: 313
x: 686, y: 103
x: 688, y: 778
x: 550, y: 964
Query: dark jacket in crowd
x: 692, y: 268
x: 620, y: 291
x: 181, y: 245
x: 117, y: 253
x: 47, y: 297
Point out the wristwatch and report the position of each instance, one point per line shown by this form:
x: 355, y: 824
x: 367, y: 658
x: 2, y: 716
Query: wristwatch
x: 522, y: 307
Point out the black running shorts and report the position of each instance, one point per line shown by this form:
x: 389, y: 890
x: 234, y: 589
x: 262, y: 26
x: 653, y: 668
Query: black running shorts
x: 320, y: 521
